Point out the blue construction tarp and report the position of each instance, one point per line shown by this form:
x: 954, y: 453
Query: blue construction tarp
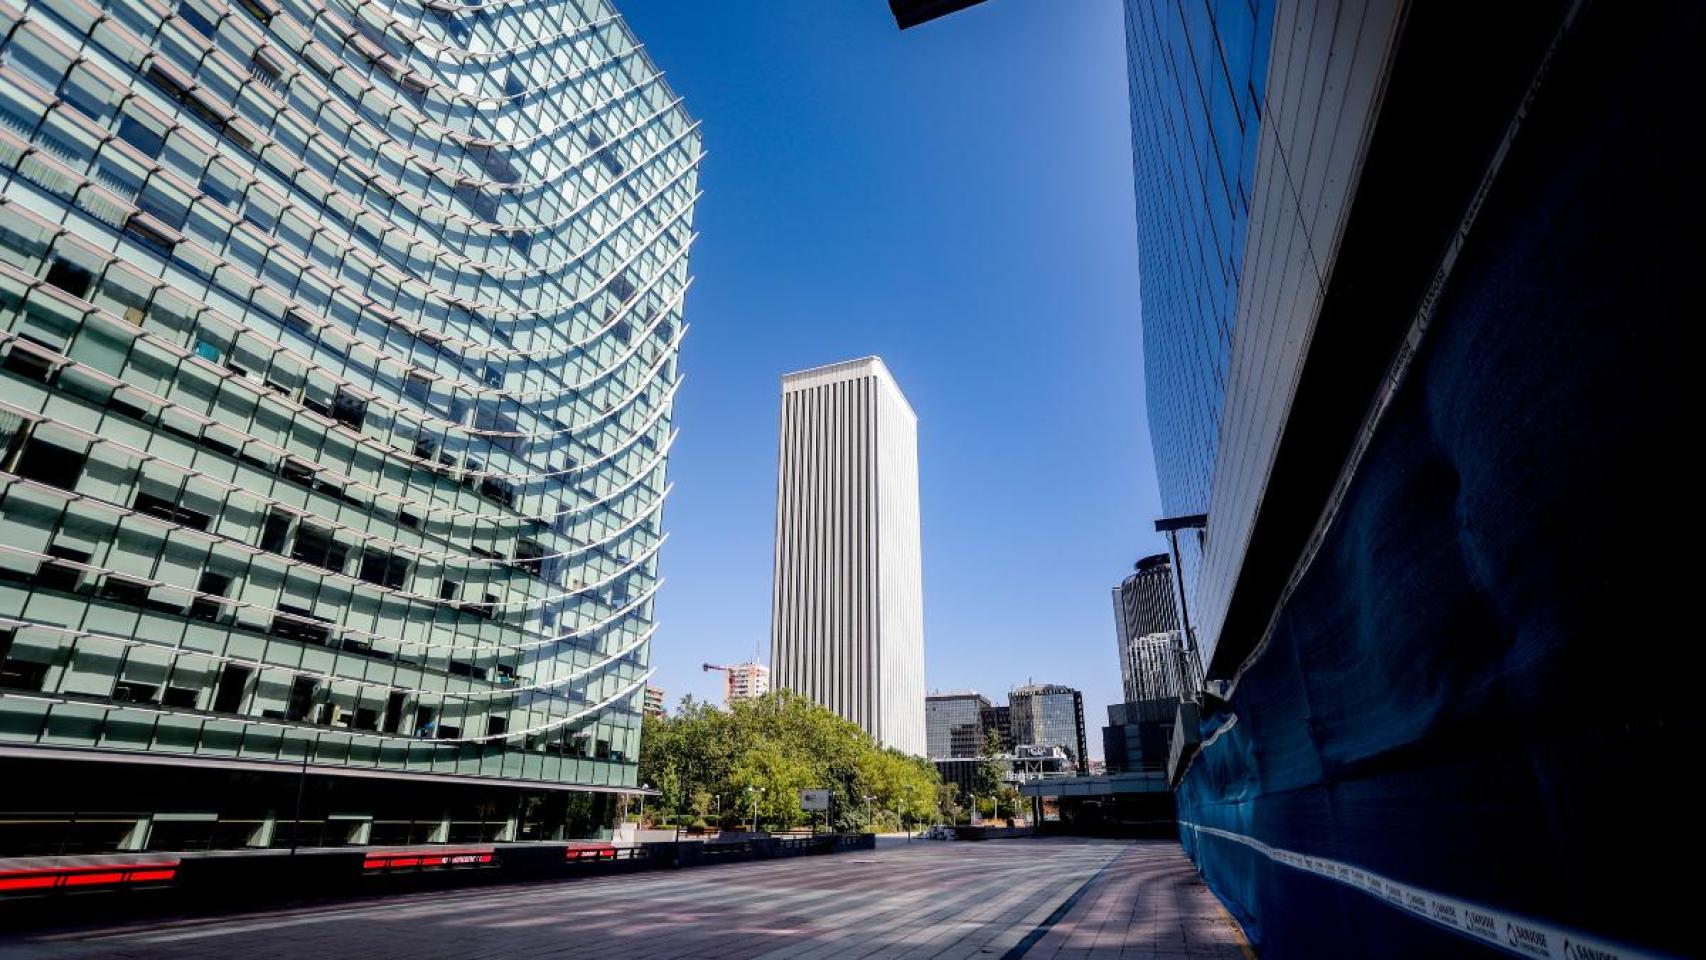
x: 1485, y: 686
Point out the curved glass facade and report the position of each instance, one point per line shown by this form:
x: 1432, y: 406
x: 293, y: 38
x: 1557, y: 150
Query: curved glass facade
x: 339, y: 347
x: 1197, y: 70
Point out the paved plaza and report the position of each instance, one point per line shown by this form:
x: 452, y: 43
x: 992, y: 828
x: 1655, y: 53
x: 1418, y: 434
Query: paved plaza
x: 1038, y: 898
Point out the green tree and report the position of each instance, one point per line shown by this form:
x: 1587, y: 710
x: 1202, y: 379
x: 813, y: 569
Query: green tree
x: 986, y: 779
x: 701, y: 803
x: 784, y: 743
x: 948, y: 801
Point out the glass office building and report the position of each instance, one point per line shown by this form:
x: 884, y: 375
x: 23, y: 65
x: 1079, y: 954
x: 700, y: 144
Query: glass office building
x: 339, y: 348
x: 1144, y: 604
x: 1000, y: 720
x: 1049, y: 715
x: 1197, y: 73
x: 954, y: 724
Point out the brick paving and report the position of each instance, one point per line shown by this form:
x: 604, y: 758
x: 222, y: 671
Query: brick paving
x: 1042, y: 898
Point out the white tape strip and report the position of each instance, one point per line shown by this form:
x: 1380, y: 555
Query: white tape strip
x: 1506, y: 931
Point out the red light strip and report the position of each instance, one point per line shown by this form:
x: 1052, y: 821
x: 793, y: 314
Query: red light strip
x: 425, y: 858
x: 87, y: 876
x: 90, y: 879
x: 589, y: 853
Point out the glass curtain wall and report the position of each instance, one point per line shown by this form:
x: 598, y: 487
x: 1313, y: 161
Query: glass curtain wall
x: 337, y: 354
x: 1197, y: 73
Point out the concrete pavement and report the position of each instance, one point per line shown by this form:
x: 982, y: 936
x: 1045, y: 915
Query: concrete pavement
x: 1038, y: 898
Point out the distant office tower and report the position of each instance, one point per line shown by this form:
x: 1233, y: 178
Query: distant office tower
x: 1143, y: 605
x: 745, y: 681
x: 847, y: 627
x: 1049, y: 715
x: 339, y: 360
x: 954, y: 724
x: 1161, y: 668
x: 655, y: 701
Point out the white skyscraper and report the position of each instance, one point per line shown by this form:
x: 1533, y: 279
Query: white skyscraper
x: 847, y: 616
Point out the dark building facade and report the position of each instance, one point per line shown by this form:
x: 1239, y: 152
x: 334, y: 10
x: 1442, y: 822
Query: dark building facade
x: 1000, y: 720
x: 911, y: 13
x: 1138, y: 736
x: 953, y: 724
x: 1428, y: 411
x: 962, y: 772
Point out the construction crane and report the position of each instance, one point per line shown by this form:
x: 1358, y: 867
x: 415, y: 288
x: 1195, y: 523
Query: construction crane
x: 728, y: 679
x: 751, y: 685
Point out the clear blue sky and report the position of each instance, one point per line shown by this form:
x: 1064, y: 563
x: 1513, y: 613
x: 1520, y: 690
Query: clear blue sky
x: 956, y: 199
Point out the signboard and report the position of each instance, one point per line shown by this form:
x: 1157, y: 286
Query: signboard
x: 814, y: 799
x: 1051, y: 809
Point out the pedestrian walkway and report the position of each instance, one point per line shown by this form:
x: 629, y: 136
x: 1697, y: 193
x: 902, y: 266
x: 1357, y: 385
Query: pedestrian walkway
x: 1034, y: 898
x: 1148, y: 904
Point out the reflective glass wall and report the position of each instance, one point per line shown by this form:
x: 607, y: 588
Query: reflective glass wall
x: 953, y: 725
x: 337, y: 354
x: 1197, y: 72
x: 1049, y: 715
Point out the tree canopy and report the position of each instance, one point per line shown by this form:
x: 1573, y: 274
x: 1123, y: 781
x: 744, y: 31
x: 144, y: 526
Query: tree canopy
x: 703, y: 760
x: 986, y: 779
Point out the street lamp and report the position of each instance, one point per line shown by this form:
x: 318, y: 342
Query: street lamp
x: 868, y: 822
x: 1171, y: 527
x: 903, y: 824
x: 643, y: 787
x: 756, y: 793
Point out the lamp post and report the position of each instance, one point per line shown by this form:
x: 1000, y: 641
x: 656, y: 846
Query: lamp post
x: 643, y: 787
x: 756, y: 793
x: 676, y: 849
x: 1171, y: 527
x: 869, y: 823
x: 904, y: 825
